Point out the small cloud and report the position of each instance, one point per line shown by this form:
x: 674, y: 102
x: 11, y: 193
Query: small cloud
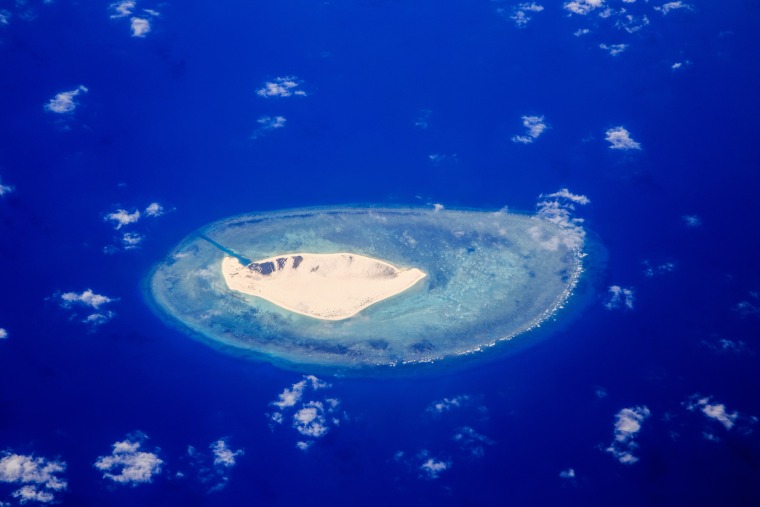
x: 5, y: 17
x: 558, y: 209
x: 131, y: 240
x: 631, y: 23
x: 472, y: 441
x: 619, y: 297
x: 122, y: 217
x: 310, y: 420
x: 423, y: 120
x: 39, y: 478
x: 5, y: 189
x: 213, y: 470
x: 567, y: 474
x: 564, y: 193
x: 437, y: 207
x: 430, y: 467
x: 127, y: 464
x: 140, y: 26
x: 64, y: 102
x: 304, y: 446
x: 726, y: 346
x: 448, y: 404
x: 3, y: 333
x: 154, y: 210
x: 86, y: 298
x: 443, y: 158
x: 121, y: 9
x: 535, y: 126
x: 281, y: 87
x: 614, y: 50
x: 583, y: 7
x: 268, y: 123
x: 289, y: 397
x: 692, y: 220
x: 581, y: 31
x: 600, y: 392
x: 672, y: 6
x: 680, y: 65
x: 620, y: 139
x: 715, y: 411
x: 313, y: 418
x: 650, y: 270
x: 627, y: 425
x: 522, y: 13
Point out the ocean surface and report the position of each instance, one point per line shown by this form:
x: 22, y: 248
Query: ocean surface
x: 189, y: 113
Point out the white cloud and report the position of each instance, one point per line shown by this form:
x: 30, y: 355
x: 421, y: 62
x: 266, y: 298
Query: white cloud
x: 558, y: 209
x: 614, y: 50
x: 619, y: 297
x: 122, y: 217
x: 680, y: 65
x: 3, y: 333
x: 564, y: 193
x: 5, y: 189
x: 692, y: 220
x: 747, y: 309
x: 521, y: 13
x: 313, y: 418
x: 472, y: 441
x: 39, y: 478
x: 223, y: 455
x: 715, y: 411
x: 281, y: 87
x: 535, y: 126
x: 423, y: 120
x: 86, y: 298
x: 620, y: 139
x: 441, y: 158
x: 447, y: 404
x: 131, y: 240
x: 30, y: 493
x: 127, y: 464
x: 437, y: 206
x: 310, y: 420
x: 631, y: 23
x: 121, y: 9
x: 268, y: 123
x: 154, y: 210
x: 5, y: 17
x: 650, y: 270
x: 431, y: 467
x: 304, y: 446
x: 64, y: 103
x: 567, y: 474
x: 724, y: 345
x: 581, y: 31
x: 272, y: 122
x: 213, y: 470
x: 98, y: 318
x: 583, y: 7
x: 672, y: 6
x: 627, y: 425
x: 140, y: 26
x: 289, y: 397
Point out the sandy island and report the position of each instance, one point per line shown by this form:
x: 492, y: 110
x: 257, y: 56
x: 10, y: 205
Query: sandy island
x: 324, y: 286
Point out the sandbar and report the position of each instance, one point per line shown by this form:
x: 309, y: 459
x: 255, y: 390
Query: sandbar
x: 332, y: 286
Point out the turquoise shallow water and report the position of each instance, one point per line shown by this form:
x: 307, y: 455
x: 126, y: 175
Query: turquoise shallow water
x: 491, y: 276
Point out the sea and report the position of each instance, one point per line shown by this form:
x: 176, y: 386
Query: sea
x: 126, y: 126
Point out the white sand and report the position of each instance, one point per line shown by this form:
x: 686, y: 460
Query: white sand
x: 324, y: 286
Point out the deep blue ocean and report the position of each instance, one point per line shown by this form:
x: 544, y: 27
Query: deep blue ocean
x: 213, y: 109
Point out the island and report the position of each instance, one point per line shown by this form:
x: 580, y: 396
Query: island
x: 332, y: 286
